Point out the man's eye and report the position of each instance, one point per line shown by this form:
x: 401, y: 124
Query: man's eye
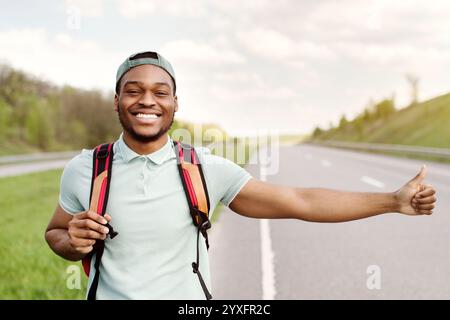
x: 133, y: 92
x: 161, y: 93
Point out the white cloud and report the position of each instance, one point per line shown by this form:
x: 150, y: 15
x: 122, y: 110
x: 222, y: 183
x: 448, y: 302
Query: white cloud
x: 246, y: 96
x: 381, y: 21
x: 88, y: 8
x: 61, y: 59
x: 139, y: 8
x: 201, y: 54
x: 274, y: 45
x: 239, y: 77
x: 395, y: 57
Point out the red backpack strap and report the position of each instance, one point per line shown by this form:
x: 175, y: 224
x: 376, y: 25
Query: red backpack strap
x: 98, y: 200
x: 194, y: 184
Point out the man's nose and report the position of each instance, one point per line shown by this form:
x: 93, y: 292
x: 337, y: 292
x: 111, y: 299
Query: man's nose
x: 147, y: 99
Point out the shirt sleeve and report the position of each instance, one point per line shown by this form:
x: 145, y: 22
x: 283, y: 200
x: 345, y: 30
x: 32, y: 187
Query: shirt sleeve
x: 225, y: 177
x: 70, y: 185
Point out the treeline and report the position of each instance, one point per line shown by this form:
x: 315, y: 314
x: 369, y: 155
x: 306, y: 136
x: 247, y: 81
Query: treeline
x: 372, y: 117
x: 38, y: 116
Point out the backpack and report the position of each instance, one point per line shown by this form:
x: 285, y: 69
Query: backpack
x: 194, y: 185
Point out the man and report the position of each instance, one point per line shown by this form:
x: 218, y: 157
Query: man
x: 150, y: 259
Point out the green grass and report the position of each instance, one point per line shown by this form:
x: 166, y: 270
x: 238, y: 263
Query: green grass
x: 28, y: 267
x: 292, y: 139
x: 425, y: 124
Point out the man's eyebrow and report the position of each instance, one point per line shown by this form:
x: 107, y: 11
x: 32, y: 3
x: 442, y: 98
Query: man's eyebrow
x: 142, y: 84
x: 133, y: 82
x: 162, y: 84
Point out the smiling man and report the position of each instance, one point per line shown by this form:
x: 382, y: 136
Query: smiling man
x: 151, y: 257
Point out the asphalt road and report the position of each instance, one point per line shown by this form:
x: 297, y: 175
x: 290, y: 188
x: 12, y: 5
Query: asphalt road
x: 411, y: 255
x: 17, y: 169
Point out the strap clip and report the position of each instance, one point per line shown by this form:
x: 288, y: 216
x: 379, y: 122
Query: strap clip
x: 205, y: 225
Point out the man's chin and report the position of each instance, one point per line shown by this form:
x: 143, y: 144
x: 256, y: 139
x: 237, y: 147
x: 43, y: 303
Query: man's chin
x: 146, y: 137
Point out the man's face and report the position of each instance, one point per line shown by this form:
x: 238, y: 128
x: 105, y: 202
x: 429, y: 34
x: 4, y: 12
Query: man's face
x: 145, y: 103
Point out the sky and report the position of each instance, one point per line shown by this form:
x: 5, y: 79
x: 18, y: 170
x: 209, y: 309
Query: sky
x: 286, y: 66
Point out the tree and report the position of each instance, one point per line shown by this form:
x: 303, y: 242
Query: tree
x: 317, y: 132
x: 343, y: 122
x: 5, y: 117
x: 358, y: 124
x: 39, y: 126
x: 384, y: 109
x: 366, y: 116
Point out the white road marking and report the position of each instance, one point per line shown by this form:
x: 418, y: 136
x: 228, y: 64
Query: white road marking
x: 267, y: 255
x: 372, y: 182
x: 325, y: 163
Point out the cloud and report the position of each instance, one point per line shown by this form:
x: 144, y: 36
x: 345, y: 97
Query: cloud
x: 139, y: 8
x: 192, y: 8
x: 88, y: 8
x: 239, y: 77
x: 200, y: 54
x: 380, y: 21
x: 274, y: 45
x: 246, y: 96
x: 60, y: 58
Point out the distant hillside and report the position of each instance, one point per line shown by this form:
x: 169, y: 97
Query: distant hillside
x: 36, y: 116
x: 423, y: 124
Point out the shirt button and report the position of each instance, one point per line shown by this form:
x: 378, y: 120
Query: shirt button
x: 141, y: 175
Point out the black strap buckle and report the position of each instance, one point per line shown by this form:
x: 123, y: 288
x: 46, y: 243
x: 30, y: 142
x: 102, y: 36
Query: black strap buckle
x: 111, y: 231
x: 205, y: 225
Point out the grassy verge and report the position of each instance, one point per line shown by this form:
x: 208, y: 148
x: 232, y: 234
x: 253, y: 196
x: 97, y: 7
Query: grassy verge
x: 400, y: 154
x: 414, y: 156
x: 28, y: 267
x: 425, y: 124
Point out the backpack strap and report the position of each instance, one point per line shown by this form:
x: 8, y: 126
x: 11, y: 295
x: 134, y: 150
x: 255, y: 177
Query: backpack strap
x: 194, y: 185
x: 98, y: 200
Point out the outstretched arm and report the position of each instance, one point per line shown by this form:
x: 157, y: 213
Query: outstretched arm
x: 259, y: 199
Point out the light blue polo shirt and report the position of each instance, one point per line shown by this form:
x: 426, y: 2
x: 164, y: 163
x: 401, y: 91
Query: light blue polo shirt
x: 152, y: 255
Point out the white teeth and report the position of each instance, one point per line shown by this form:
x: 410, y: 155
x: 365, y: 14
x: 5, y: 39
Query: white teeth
x: 147, y: 116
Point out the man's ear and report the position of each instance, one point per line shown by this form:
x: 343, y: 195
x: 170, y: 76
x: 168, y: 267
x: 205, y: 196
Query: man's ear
x: 175, y: 99
x: 116, y: 102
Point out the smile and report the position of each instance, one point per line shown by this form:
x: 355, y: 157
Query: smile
x: 147, y: 116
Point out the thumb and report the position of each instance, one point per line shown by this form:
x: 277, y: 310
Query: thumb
x: 420, y: 176
x: 107, y: 217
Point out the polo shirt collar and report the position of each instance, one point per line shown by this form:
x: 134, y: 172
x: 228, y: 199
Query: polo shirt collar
x: 159, y: 156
